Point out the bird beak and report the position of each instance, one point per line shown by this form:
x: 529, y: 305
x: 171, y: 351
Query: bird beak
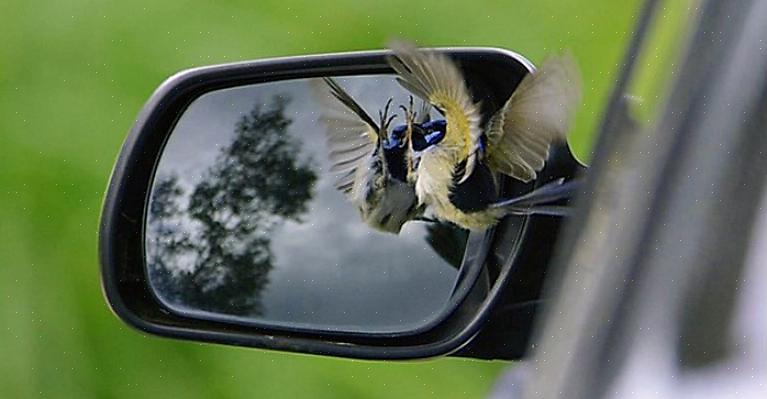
x: 469, y: 169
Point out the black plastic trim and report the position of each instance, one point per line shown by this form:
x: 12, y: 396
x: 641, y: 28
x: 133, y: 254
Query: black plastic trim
x: 121, y: 231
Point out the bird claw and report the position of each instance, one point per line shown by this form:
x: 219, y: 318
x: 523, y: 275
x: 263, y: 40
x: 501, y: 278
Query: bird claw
x: 410, y: 115
x: 385, y: 117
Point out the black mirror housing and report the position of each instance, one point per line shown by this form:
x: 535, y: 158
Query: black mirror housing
x: 502, y: 270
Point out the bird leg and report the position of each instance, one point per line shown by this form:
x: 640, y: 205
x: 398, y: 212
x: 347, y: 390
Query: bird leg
x: 410, y: 115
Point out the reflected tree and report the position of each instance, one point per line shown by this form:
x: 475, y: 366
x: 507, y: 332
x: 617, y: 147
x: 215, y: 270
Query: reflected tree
x: 213, y: 252
x: 168, y: 237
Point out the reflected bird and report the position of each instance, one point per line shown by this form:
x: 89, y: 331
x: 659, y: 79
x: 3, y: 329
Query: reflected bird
x: 456, y: 160
x: 371, y: 165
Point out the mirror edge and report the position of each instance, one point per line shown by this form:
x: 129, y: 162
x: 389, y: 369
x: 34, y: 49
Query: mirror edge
x: 172, y: 96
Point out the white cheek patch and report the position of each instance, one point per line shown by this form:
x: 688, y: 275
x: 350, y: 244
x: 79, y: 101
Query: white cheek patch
x: 393, y: 208
x: 435, y: 177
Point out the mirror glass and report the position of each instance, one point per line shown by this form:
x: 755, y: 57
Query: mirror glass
x: 247, y: 222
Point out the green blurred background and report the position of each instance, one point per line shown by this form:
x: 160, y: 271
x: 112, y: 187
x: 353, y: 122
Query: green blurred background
x: 74, y: 74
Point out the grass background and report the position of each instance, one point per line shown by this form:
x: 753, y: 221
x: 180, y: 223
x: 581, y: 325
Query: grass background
x: 73, y: 75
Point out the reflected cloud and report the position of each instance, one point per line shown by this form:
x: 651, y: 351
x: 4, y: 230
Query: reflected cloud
x: 300, y: 256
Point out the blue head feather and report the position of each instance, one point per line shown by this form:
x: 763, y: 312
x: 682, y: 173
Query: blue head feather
x: 435, y: 131
x: 396, y: 138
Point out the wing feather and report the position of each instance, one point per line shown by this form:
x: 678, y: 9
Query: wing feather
x: 538, y: 114
x: 434, y: 77
x: 350, y: 132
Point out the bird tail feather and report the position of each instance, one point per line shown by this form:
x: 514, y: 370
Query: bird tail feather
x: 537, y: 201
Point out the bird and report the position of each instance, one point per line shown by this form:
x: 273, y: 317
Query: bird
x: 456, y: 161
x: 370, y: 162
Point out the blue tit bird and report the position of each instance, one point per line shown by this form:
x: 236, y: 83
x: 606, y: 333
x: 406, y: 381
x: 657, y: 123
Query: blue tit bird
x: 370, y: 164
x: 457, y: 160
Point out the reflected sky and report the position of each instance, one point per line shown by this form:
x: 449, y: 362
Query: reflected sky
x: 329, y: 270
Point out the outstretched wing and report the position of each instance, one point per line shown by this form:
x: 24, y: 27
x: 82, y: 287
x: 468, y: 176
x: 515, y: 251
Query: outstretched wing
x: 435, y: 78
x: 351, y: 133
x: 537, y: 114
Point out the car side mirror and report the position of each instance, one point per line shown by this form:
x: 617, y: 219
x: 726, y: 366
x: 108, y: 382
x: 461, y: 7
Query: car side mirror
x: 225, y: 221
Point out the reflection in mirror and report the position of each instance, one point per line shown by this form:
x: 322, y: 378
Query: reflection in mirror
x: 251, y: 218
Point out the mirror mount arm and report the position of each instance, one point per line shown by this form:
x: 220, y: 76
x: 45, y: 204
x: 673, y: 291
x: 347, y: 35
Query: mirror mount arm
x: 507, y: 332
